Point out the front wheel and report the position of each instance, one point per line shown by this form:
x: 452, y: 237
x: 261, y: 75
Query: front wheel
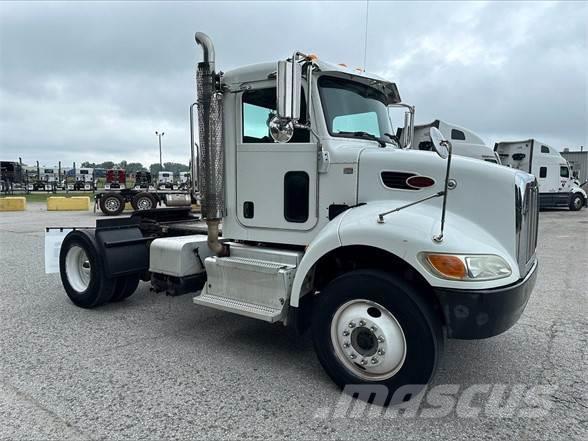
x: 577, y: 202
x: 373, y: 328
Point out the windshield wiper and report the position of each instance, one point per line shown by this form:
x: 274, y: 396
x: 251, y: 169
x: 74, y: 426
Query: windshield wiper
x: 365, y: 135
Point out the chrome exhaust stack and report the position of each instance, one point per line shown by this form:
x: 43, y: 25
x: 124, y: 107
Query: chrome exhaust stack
x: 211, y: 160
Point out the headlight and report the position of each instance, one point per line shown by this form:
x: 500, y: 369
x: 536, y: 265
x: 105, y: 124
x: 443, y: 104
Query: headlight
x: 466, y: 267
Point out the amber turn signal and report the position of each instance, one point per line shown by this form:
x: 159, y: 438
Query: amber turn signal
x: 448, y: 266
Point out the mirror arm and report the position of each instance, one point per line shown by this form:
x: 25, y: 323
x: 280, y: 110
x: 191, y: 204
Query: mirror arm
x: 386, y: 213
x: 439, y: 238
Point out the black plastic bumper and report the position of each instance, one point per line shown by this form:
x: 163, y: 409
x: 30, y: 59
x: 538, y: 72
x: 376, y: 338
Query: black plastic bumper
x: 475, y: 314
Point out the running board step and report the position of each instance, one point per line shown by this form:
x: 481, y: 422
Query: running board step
x: 239, y: 307
x: 252, y: 282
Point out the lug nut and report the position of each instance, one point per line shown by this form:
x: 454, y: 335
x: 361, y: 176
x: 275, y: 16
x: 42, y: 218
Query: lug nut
x: 352, y: 324
x: 363, y: 362
x: 352, y: 356
x: 381, y: 352
x: 345, y: 345
x: 361, y: 323
x: 380, y: 339
x: 373, y: 329
x: 345, y: 333
x: 374, y: 360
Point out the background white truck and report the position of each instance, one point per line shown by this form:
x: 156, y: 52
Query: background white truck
x: 464, y: 141
x: 557, y: 186
x: 313, y: 217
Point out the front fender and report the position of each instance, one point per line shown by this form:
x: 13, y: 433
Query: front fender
x: 405, y: 234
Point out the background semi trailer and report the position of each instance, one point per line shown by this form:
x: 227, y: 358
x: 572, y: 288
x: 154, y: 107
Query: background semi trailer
x: 557, y: 186
x: 382, y: 251
x: 112, y: 201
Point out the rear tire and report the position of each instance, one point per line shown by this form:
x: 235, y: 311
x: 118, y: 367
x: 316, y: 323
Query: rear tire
x: 143, y: 201
x: 112, y: 204
x: 577, y: 202
x: 373, y: 328
x: 125, y: 287
x: 82, y: 271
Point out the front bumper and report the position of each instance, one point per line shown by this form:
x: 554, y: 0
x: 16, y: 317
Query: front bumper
x: 475, y: 314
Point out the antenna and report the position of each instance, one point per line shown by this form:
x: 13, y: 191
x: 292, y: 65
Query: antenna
x: 365, y: 38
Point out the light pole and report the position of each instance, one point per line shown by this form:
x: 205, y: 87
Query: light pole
x: 159, y: 135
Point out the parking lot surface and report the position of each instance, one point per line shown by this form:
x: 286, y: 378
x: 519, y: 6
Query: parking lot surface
x: 156, y: 367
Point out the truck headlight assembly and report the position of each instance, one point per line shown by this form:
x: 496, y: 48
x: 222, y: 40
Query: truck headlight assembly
x: 466, y: 267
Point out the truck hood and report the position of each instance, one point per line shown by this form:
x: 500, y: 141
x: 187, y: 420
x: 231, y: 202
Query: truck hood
x: 484, y: 192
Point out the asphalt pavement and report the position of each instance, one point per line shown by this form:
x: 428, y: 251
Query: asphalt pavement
x: 156, y: 367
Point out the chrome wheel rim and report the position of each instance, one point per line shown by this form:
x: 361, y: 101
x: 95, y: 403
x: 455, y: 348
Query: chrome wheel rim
x: 112, y: 204
x: 144, y: 204
x: 368, y: 340
x: 78, y: 269
x: 578, y: 203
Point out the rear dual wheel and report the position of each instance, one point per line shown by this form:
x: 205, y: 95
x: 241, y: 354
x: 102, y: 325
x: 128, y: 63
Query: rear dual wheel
x: 83, y: 275
x: 374, y: 329
x: 143, y: 201
x: 112, y: 204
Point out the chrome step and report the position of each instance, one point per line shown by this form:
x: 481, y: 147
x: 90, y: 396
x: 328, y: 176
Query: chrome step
x: 239, y: 307
x: 252, y: 282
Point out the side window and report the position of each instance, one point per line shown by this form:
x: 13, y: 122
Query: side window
x: 258, y: 107
x: 543, y: 172
x: 544, y: 149
x: 457, y: 134
x: 564, y: 172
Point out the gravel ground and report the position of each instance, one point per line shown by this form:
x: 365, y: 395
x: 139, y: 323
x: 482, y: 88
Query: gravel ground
x: 158, y: 367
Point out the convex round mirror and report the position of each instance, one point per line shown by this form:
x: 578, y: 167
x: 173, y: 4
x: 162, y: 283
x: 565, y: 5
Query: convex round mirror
x: 440, y: 144
x: 281, y: 129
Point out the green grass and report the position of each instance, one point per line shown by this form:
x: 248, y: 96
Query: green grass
x: 42, y: 197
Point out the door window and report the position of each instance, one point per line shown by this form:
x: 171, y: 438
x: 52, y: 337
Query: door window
x: 259, y: 106
x: 564, y: 172
x: 543, y: 172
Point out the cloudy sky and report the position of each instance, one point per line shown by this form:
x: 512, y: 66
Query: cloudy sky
x: 93, y: 81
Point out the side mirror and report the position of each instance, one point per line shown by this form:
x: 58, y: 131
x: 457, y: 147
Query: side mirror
x: 289, y: 85
x: 440, y: 144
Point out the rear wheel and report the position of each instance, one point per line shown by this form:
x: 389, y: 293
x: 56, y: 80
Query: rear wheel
x: 373, y: 328
x: 143, y: 201
x: 112, y: 204
x: 82, y: 272
x: 125, y: 287
x: 577, y: 202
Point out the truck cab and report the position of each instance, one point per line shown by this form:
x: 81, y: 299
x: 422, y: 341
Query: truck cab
x: 84, y: 179
x: 464, y: 141
x: 165, y: 180
x: 115, y: 179
x: 557, y: 186
x: 314, y: 216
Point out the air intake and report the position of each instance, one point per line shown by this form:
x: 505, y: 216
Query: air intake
x: 397, y: 180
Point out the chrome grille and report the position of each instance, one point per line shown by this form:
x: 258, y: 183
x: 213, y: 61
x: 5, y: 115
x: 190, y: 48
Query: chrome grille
x: 527, y: 220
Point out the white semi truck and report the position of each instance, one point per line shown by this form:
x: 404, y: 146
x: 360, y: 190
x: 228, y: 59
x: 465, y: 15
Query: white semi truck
x: 464, y: 141
x: 313, y: 217
x: 557, y: 186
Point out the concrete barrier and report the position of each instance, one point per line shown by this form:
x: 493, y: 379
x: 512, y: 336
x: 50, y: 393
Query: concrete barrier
x: 61, y: 203
x: 13, y: 203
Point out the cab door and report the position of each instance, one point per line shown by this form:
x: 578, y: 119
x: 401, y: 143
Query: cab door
x: 276, y: 182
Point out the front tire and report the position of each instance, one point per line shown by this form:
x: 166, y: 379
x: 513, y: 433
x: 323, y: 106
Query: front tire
x: 577, y: 202
x: 82, y: 271
x: 373, y: 328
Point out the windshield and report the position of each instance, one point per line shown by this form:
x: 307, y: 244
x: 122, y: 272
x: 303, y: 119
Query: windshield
x: 351, y: 107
